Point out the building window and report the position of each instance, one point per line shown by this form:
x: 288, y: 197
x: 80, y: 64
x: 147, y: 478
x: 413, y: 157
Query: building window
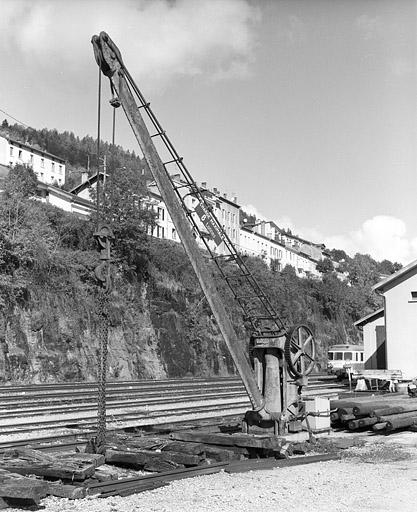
x: 11, y: 150
x: 60, y: 169
x: 31, y: 159
x: 161, y: 214
x: 20, y: 154
x: 413, y: 297
x: 174, y: 234
x: 52, y: 166
x: 42, y: 163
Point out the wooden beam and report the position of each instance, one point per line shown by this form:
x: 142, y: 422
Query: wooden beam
x: 239, y: 440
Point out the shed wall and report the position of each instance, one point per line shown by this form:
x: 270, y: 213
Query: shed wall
x: 401, y: 327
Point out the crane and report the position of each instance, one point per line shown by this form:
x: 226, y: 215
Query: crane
x: 281, y: 356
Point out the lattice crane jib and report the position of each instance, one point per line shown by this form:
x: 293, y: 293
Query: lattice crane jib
x: 278, y: 352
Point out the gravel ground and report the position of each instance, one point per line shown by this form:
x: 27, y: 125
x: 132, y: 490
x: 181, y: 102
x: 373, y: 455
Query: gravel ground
x: 381, y: 476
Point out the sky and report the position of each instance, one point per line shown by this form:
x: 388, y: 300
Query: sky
x: 305, y: 109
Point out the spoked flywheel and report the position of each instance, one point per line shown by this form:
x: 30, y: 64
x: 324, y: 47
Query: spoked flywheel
x: 300, y: 351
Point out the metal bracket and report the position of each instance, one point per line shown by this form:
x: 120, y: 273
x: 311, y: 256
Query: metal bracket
x: 104, y: 235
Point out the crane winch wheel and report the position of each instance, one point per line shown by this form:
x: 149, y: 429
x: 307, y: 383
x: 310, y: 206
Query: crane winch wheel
x: 300, y: 351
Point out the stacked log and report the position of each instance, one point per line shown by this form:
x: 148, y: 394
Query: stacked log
x: 382, y: 414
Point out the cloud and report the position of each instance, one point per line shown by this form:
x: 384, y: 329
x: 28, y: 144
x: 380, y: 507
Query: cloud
x: 159, y: 39
x: 382, y: 237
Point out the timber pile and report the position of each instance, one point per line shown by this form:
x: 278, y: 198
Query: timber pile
x: 28, y: 475
x: 382, y: 414
x: 54, y: 475
x: 191, y: 448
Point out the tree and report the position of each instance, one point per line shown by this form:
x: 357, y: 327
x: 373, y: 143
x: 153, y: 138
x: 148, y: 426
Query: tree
x: 362, y: 270
x: 386, y: 267
x: 21, y: 182
x: 338, y: 255
x: 325, y: 266
x: 123, y: 208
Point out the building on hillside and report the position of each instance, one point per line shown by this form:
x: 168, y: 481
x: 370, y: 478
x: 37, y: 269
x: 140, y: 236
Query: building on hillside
x: 276, y: 254
x: 64, y: 200
x: 49, y: 169
x: 246, y: 240
x: 88, y: 184
x: 399, y: 291
x: 374, y: 340
x: 269, y: 229
x: 225, y: 210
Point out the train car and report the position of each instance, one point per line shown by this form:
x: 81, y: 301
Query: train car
x: 342, y: 357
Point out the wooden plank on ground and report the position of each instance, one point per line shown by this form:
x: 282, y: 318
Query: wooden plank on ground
x: 25, y: 461
x: 160, y: 443
x: 15, y: 486
x: 71, y: 492
x: 150, y: 460
x: 239, y: 440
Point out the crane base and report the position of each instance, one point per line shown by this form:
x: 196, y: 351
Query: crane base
x: 251, y: 419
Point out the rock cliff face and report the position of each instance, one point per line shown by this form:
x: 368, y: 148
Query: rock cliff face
x: 156, y: 331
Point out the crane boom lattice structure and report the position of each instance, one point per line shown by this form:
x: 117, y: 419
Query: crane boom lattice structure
x: 277, y: 350
x: 256, y: 306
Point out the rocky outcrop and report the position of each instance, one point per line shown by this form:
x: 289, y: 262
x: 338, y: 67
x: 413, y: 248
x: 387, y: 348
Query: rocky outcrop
x: 156, y: 331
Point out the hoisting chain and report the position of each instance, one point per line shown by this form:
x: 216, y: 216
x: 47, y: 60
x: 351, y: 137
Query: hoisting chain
x: 103, y: 237
x: 103, y: 332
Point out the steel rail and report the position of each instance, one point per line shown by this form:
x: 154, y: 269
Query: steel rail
x: 68, y: 402
x: 132, y: 385
x: 125, y: 404
x: 81, y: 395
x: 122, y: 420
x: 119, y: 384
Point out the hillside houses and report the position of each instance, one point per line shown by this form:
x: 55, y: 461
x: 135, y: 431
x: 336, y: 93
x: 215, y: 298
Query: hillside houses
x: 264, y: 239
x: 49, y: 168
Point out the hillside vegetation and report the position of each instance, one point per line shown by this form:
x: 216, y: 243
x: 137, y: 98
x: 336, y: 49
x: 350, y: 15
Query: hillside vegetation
x: 160, y: 323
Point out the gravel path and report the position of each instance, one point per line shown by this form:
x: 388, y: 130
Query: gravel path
x: 379, y: 477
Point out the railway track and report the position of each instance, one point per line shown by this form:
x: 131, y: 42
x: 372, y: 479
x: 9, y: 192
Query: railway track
x: 47, y: 410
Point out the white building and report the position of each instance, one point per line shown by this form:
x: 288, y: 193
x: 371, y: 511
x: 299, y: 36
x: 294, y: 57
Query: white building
x: 374, y: 343
x: 276, y: 254
x: 225, y: 210
x: 246, y: 240
x: 49, y: 169
x: 399, y: 291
